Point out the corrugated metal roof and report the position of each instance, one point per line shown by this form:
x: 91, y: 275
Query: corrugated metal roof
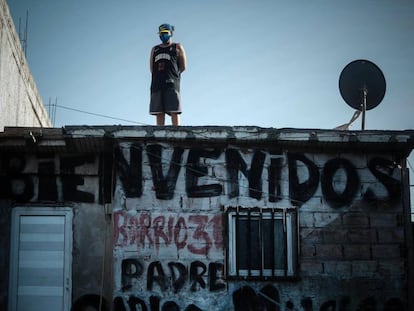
x: 91, y: 139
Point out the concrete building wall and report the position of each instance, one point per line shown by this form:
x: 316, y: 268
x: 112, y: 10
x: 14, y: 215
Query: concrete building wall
x: 55, y: 180
x: 151, y: 227
x: 171, y: 236
x: 20, y: 102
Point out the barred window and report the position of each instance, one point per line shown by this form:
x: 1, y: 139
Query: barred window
x: 262, y: 243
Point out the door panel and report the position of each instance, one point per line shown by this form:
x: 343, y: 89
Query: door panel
x: 40, y: 259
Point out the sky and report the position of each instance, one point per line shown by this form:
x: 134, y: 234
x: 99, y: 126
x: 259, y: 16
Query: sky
x: 267, y: 63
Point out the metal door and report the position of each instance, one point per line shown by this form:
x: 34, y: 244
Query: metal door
x: 40, y: 259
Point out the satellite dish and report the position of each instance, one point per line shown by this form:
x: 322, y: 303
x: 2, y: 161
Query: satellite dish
x: 362, y: 86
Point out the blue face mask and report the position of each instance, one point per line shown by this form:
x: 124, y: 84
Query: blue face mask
x: 165, y: 37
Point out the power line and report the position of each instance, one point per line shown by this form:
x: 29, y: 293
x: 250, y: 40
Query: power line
x: 99, y: 115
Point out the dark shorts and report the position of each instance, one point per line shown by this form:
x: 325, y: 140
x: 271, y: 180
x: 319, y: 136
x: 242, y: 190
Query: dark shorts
x: 165, y: 101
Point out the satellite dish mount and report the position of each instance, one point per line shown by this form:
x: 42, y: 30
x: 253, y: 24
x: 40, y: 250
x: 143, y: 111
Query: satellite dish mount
x: 364, y: 92
x: 362, y: 86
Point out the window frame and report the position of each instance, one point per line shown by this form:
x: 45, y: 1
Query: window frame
x: 290, y: 239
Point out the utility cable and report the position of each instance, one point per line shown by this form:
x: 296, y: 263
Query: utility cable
x: 99, y: 115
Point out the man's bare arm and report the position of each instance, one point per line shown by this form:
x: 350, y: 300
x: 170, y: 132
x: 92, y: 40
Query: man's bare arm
x: 182, y: 57
x: 151, y: 57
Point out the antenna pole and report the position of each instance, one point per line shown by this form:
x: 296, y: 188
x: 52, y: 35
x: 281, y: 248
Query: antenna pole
x: 364, y: 105
x: 25, y: 34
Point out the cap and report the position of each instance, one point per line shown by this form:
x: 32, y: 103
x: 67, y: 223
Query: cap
x: 165, y: 28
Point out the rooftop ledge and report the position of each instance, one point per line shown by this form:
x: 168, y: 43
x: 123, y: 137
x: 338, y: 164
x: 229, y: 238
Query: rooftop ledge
x: 399, y: 141
x: 243, y: 133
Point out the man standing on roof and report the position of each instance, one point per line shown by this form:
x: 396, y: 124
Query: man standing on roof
x: 167, y: 62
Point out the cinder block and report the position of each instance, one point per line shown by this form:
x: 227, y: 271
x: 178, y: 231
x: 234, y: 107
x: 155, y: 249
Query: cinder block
x: 310, y: 268
x: 384, y: 251
x: 364, y: 236
x: 326, y: 219
x: 384, y: 220
x: 391, y: 268
x: 335, y: 235
x: 306, y: 220
x: 307, y: 250
x: 390, y: 235
x: 338, y: 268
x: 329, y: 251
x: 311, y: 235
x: 359, y: 252
x: 364, y: 268
x: 355, y: 219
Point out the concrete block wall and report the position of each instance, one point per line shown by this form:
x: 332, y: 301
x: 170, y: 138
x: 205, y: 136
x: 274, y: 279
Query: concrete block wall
x: 20, y: 102
x: 158, y: 239
x: 351, y: 234
x: 55, y: 180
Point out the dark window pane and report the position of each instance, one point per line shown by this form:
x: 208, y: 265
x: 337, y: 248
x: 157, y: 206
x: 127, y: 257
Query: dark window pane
x: 274, y: 246
x: 261, y: 244
x: 268, y: 243
x: 280, y: 245
x: 248, y: 244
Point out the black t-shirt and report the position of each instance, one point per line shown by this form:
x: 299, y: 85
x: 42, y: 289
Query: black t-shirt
x: 165, y: 68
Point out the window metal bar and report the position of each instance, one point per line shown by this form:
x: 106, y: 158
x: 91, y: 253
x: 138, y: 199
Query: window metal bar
x: 249, y: 242
x: 250, y: 233
x: 237, y: 242
x: 273, y: 257
x: 285, y: 259
x: 261, y: 248
x: 297, y: 240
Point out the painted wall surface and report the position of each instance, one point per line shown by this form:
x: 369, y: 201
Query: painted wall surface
x: 170, y: 236
x: 74, y: 181
x: 5, y: 217
x: 20, y: 102
x: 163, y: 247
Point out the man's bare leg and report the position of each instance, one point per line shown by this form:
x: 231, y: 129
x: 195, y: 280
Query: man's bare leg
x: 175, y: 119
x: 161, y: 119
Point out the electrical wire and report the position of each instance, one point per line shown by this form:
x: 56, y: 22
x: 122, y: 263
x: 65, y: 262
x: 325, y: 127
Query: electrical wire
x: 99, y: 114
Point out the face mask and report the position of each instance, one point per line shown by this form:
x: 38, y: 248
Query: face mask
x: 165, y: 37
